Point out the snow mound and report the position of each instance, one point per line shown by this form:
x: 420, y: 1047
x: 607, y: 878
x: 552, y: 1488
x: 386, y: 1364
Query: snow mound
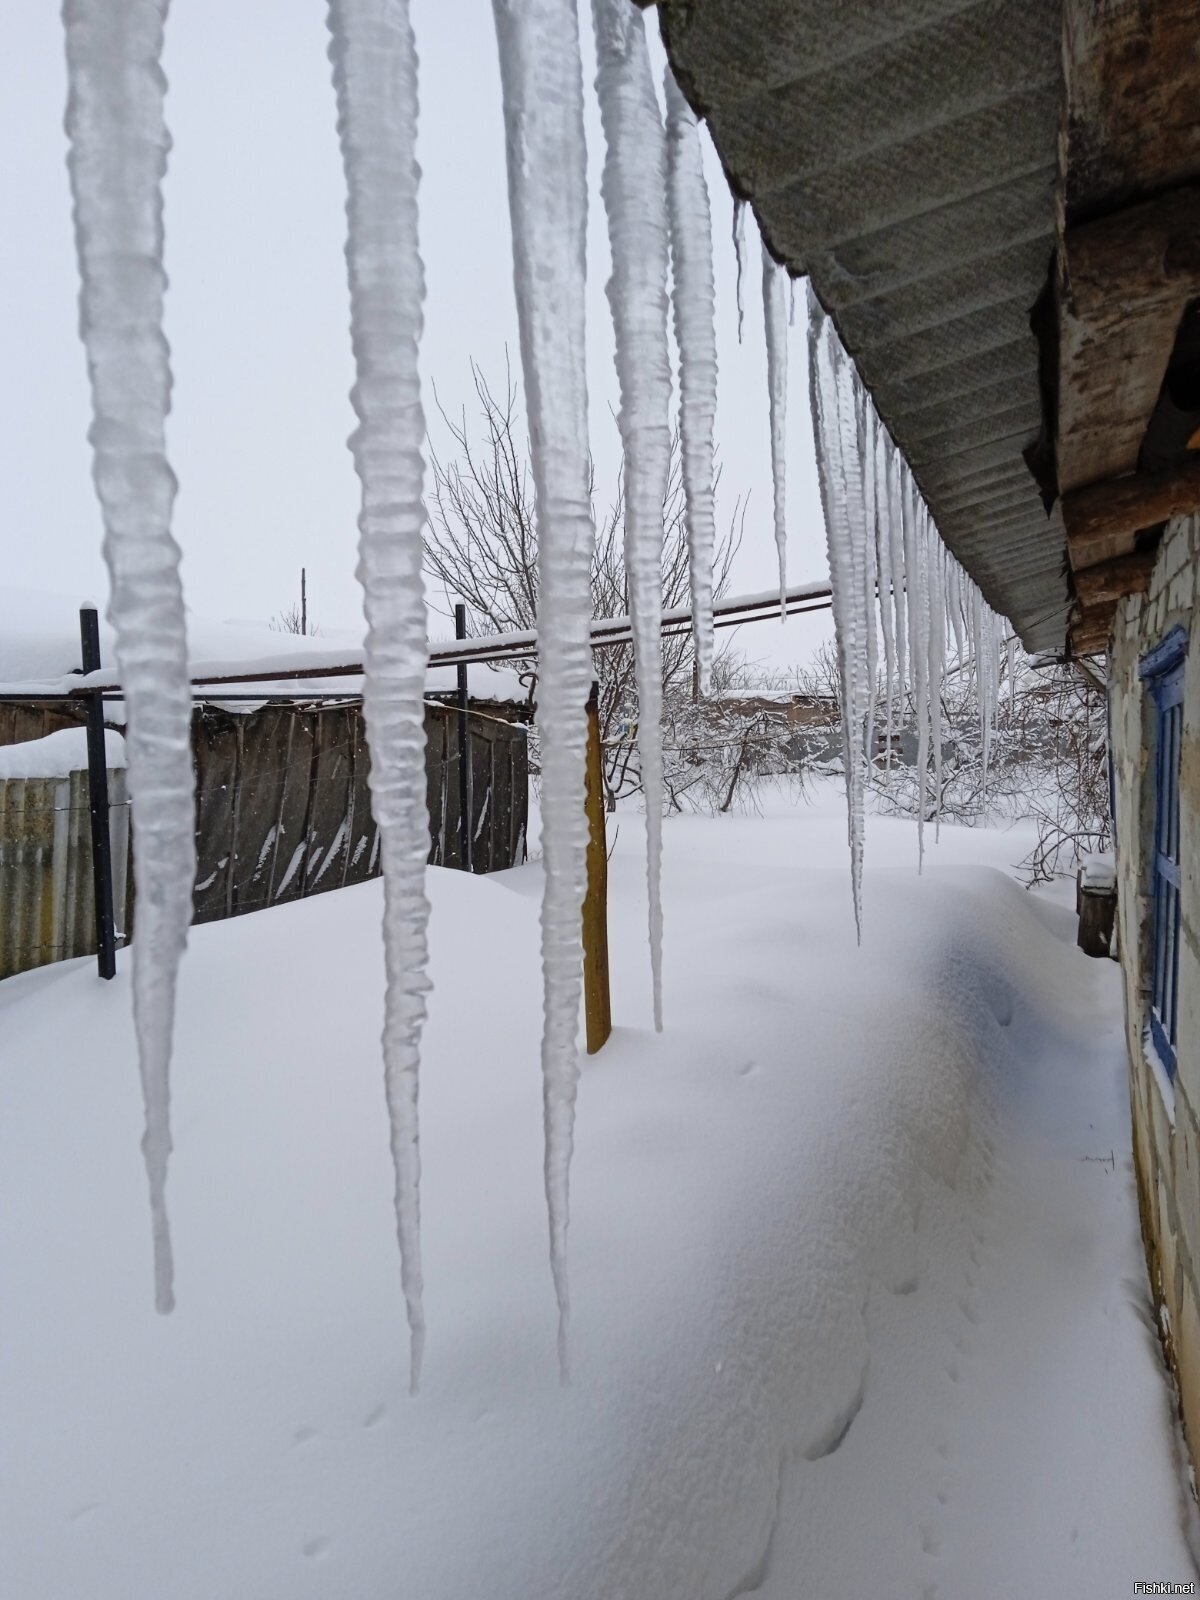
x: 850, y: 1304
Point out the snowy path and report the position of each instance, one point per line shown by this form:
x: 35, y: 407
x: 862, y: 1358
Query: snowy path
x: 854, y: 1316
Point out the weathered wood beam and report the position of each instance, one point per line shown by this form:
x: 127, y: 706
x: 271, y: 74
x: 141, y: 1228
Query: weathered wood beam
x: 1123, y: 283
x: 1103, y: 520
x: 1111, y: 580
x: 1089, y: 630
x: 1130, y: 126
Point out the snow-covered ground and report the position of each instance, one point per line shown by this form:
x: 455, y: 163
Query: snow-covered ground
x: 859, y: 1303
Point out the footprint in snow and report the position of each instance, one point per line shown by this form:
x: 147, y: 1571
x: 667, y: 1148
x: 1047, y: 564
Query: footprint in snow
x: 316, y: 1549
x: 375, y: 1417
x: 303, y: 1435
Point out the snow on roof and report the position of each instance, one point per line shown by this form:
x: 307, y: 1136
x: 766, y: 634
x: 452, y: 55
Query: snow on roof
x: 39, y: 648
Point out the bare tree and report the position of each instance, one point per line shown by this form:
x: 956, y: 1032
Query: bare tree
x: 481, y: 547
x: 1047, y: 763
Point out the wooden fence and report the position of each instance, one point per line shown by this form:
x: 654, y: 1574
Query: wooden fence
x: 282, y: 811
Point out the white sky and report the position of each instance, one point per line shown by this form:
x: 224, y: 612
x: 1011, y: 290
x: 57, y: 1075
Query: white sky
x: 257, y: 312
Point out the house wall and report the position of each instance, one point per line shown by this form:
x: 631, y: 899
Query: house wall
x: 1166, y: 1125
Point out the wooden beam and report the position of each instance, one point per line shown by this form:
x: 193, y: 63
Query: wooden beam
x: 1103, y: 520
x: 1123, y: 283
x: 1130, y: 126
x: 1089, y: 630
x: 1111, y: 580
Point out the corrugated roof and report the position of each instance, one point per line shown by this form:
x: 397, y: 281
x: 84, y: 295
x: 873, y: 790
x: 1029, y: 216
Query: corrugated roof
x: 904, y: 156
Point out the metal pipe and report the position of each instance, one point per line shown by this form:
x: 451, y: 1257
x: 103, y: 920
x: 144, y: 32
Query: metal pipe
x: 102, y: 884
x: 464, y: 748
x: 728, y: 613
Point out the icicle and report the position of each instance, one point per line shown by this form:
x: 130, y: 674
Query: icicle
x: 547, y: 185
x: 775, y: 322
x: 954, y: 594
x: 895, y: 470
x: 918, y: 643
x: 877, y: 467
x: 1011, y: 646
x: 375, y: 76
x: 739, y: 250
x: 695, y: 334
x: 979, y: 682
x: 116, y: 158
x: 791, y: 302
x: 935, y: 552
x: 634, y: 188
x: 870, y: 573
x: 832, y: 386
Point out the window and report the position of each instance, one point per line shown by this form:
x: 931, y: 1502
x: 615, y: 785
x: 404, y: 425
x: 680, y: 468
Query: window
x: 1162, y: 671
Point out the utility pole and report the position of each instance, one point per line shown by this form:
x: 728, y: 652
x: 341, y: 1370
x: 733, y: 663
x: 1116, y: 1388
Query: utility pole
x: 303, y: 602
x: 466, y: 848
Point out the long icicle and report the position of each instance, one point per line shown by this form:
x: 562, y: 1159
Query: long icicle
x: 542, y: 85
x: 883, y: 566
x: 935, y: 566
x: 870, y: 573
x: 117, y: 157
x: 831, y: 393
x: 775, y: 323
x: 899, y: 578
x: 634, y: 187
x: 739, y: 250
x: 693, y: 303
x: 375, y: 75
x: 918, y: 643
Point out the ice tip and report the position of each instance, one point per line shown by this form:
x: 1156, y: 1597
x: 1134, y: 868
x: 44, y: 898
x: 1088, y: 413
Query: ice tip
x: 416, y: 1353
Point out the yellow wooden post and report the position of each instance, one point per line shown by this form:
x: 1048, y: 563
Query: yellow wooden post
x: 597, y: 998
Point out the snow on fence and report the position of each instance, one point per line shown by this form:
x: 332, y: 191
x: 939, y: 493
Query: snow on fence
x: 282, y: 811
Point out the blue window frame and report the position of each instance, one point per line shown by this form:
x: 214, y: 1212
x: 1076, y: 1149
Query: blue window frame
x: 1162, y: 672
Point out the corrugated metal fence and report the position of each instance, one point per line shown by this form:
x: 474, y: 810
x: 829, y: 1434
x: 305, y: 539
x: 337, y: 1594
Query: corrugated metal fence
x: 282, y: 811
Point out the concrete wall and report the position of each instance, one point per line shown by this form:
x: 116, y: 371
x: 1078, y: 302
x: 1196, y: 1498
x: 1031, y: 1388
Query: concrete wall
x: 1166, y: 1129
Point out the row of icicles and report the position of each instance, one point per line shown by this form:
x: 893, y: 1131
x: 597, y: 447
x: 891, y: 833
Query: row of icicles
x: 657, y: 207
x: 885, y: 553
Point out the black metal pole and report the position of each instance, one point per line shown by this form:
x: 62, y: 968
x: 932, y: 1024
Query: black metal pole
x: 464, y: 747
x: 106, y: 930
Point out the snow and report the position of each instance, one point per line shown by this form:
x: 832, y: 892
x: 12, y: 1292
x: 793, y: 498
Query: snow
x: 634, y: 186
x: 860, y: 1306
x: 39, y: 648
x: 542, y: 88
x: 775, y: 323
x: 375, y: 75
x: 57, y: 754
x: 693, y: 299
x: 1099, y: 871
x: 117, y: 156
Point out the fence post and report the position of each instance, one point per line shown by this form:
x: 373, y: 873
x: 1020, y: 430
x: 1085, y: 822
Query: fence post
x: 467, y: 847
x: 597, y: 997
x: 102, y: 881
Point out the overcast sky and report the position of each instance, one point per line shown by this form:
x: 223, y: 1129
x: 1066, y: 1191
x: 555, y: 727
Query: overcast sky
x: 257, y: 311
